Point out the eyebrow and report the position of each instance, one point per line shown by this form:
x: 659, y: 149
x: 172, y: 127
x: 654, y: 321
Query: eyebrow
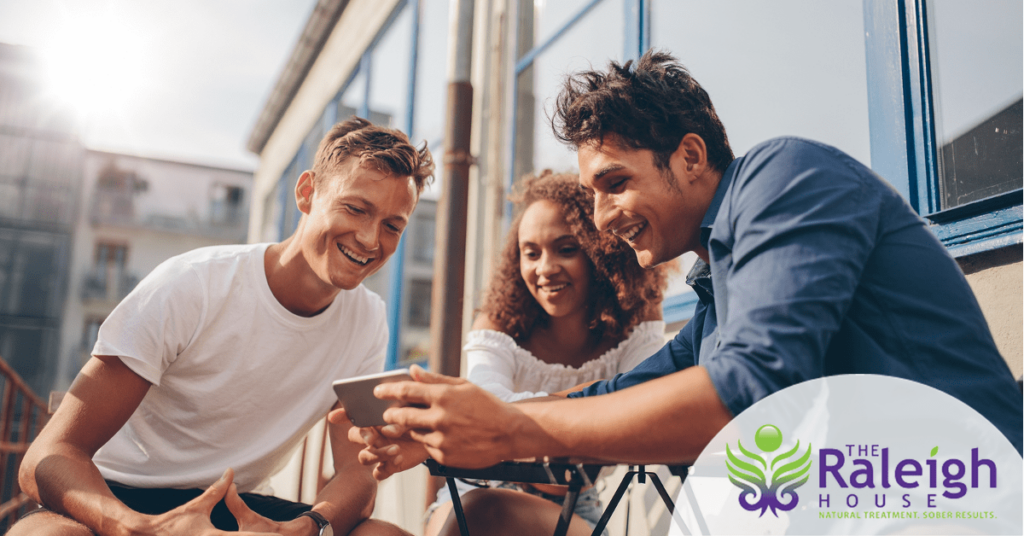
x: 607, y: 169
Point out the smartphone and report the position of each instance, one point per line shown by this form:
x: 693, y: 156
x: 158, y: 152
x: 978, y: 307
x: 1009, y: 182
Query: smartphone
x: 356, y: 396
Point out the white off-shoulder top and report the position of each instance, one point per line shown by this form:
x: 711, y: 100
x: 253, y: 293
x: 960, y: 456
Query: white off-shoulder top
x: 512, y: 373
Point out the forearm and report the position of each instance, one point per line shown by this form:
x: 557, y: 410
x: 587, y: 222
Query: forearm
x: 669, y: 420
x: 347, y: 499
x: 65, y: 480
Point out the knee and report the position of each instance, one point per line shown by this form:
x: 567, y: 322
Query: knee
x: 376, y: 527
x: 483, y: 506
x: 48, y: 524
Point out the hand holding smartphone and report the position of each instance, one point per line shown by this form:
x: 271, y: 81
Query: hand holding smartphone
x: 356, y: 396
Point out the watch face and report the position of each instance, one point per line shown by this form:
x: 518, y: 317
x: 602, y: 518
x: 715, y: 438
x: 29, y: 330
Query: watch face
x: 327, y: 531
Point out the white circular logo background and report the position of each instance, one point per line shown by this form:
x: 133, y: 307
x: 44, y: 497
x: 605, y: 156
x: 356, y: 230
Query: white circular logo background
x: 855, y: 454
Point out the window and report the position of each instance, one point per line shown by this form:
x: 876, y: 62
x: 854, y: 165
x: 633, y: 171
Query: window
x: 90, y: 331
x: 976, y: 62
x: 423, y: 233
x: 936, y: 101
x: 109, y: 280
x: 419, y: 303
x: 226, y: 204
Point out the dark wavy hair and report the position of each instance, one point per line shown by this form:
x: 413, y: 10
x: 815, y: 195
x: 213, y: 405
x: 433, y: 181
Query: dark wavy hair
x: 650, y: 104
x: 622, y: 293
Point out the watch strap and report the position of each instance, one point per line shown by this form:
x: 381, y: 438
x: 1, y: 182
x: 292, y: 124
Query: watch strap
x: 320, y: 520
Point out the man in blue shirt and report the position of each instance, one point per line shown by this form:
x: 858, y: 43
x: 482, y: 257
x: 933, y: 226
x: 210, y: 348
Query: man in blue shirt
x: 811, y: 265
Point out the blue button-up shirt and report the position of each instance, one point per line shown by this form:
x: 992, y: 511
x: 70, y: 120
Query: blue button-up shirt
x: 819, y: 267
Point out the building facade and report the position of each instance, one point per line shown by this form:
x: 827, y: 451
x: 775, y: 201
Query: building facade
x: 40, y: 168
x: 137, y: 212
x: 925, y: 92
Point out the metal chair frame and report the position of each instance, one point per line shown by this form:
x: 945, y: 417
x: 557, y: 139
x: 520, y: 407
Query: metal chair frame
x: 556, y: 472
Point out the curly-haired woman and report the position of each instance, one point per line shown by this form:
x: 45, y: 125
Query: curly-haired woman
x: 567, y: 305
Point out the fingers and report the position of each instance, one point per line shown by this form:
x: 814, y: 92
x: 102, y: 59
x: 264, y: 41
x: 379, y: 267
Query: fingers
x: 367, y: 436
x: 409, y: 418
x: 421, y: 375
x: 355, y: 436
x: 408, y: 392
x: 338, y: 417
x: 393, y: 431
x: 384, y: 470
x: 237, y: 506
x: 214, y: 493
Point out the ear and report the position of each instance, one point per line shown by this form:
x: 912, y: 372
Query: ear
x: 691, y: 157
x: 304, y: 189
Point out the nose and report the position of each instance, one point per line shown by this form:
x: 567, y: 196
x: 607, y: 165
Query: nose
x: 604, y: 211
x: 547, y: 265
x: 368, y: 236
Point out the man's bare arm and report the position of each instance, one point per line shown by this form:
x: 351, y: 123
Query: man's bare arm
x: 668, y: 420
x: 348, y: 498
x: 58, y: 471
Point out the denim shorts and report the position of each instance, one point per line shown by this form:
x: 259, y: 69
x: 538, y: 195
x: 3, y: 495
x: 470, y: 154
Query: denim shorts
x: 588, y: 504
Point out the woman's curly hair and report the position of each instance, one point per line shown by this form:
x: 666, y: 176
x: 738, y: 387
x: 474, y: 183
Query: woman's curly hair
x: 622, y: 294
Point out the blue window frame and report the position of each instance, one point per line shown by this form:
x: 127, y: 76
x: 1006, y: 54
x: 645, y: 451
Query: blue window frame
x: 903, y: 138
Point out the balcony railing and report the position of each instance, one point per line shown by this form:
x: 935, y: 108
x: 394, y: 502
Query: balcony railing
x: 117, y: 209
x: 22, y: 416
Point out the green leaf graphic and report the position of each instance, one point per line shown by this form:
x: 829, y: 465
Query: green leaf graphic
x: 786, y: 454
x: 751, y: 455
x: 794, y: 470
x: 934, y: 451
x: 755, y: 476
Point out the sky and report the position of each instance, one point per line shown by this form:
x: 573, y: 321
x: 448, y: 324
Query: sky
x: 182, y: 79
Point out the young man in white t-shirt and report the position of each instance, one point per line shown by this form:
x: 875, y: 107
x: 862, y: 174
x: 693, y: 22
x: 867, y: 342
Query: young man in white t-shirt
x: 210, y: 373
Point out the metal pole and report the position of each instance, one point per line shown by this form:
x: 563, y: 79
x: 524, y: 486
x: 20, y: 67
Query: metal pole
x: 450, y: 252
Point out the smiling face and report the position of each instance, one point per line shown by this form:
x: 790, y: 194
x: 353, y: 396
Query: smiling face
x: 656, y: 211
x: 353, y: 221
x: 551, y: 261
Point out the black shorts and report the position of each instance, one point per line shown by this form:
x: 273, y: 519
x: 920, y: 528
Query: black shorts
x: 155, y: 501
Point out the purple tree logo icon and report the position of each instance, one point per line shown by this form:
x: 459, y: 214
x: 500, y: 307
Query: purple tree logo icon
x: 766, y: 481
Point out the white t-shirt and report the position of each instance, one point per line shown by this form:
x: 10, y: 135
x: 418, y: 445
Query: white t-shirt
x: 512, y: 373
x: 238, y: 380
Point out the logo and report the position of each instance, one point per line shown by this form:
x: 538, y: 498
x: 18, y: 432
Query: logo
x: 889, y: 456
x: 767, y: 481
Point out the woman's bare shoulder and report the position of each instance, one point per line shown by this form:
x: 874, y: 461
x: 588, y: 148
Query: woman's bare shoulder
x: 483, y: 321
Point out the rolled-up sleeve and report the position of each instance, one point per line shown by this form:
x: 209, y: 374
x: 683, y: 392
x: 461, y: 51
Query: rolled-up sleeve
x: 795, y: 232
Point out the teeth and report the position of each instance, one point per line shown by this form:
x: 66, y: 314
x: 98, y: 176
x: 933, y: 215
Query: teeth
x: 631, y: 233
x: 352, y: 255
x: 556, y: 289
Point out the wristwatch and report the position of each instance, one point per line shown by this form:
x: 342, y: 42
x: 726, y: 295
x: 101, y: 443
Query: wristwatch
x: 321, y: 521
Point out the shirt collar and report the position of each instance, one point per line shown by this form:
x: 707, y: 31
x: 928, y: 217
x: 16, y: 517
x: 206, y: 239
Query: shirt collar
x: 716, y: 202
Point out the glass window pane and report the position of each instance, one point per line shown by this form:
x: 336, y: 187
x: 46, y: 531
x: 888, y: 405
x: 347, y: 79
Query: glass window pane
x: 976, y: 72
x: 540, y: 19
x: 781, y: 68
x: 353, y: 97
x: 389, y: 73
x: 431, y: 73
x: 591, y: 43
